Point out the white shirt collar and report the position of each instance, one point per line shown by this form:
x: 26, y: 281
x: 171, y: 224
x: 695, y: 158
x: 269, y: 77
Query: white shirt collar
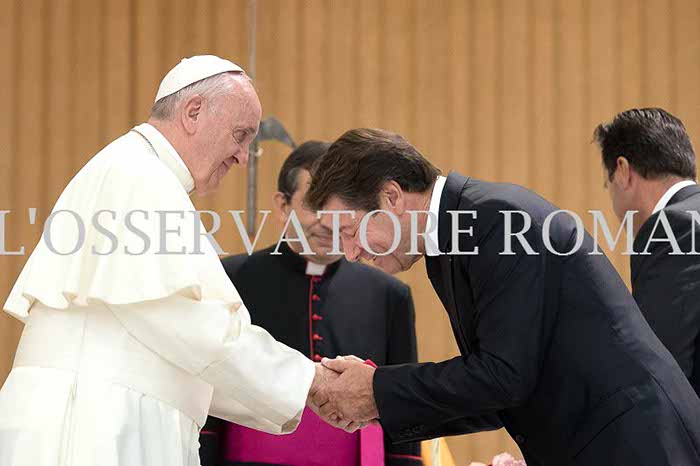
x: 670, y: 193
x: 431, y: 226
x: 167, y: 154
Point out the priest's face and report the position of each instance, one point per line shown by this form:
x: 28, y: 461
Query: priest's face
x: 228, y: 124
x: 379, y: 238
x: 320, y: 237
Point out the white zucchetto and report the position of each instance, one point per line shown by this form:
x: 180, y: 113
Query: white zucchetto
x: 193, y: 69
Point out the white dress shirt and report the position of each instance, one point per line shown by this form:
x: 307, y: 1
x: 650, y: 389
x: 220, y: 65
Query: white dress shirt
x: 670, y: 193
x: 431, y: 226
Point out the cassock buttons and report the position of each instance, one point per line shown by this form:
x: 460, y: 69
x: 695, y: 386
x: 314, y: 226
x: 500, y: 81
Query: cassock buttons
x: 315, y: 297
x: 316, y: 317
x: 317, y: 337
x: 317, y: 357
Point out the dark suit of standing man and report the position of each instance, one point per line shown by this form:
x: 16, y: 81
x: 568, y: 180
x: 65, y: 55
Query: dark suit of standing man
x: 553, y: 347
x: 650, y: 167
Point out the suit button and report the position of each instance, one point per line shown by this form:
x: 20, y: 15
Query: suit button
x: 519, y: 439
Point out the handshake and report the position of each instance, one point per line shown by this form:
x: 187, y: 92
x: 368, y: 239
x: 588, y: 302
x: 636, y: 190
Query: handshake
x: 341, y: 393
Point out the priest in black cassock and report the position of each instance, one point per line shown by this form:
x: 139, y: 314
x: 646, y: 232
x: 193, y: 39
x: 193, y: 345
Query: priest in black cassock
x: 323, y: 306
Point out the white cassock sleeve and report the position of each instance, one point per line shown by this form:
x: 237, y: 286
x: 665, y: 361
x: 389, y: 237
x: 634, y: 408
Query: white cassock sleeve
x: 258, y: 382
x: 164, y: 282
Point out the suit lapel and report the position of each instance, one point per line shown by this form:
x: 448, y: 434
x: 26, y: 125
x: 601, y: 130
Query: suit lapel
x: 440, y: 267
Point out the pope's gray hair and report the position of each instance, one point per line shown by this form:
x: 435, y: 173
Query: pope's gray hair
x: 208, y: 88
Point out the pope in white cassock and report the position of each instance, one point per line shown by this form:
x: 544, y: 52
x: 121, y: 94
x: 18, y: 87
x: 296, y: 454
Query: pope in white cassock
x: 133, y: 332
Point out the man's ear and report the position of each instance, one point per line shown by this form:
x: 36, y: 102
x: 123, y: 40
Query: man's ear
x: 279, y: 200
x: 392, y: 196
x: 623, y: 173
x: 191, y: 112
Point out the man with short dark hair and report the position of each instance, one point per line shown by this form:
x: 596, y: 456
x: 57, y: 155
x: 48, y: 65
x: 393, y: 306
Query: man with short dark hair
x: 322, y: 306
x: 552, y: 344
x: 650, y: 167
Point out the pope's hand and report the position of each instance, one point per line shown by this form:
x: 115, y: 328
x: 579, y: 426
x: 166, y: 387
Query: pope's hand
x: 350, y: 396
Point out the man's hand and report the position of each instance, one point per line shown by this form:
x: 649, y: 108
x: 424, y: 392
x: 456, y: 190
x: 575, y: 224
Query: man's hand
x: 350, y: 396
x: 317, y: 398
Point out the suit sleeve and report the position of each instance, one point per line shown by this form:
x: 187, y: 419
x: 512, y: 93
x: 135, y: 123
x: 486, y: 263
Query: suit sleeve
x: 402, y: 348
x: 667, y: 291
x: 466, y: 393
x: 258, y: 382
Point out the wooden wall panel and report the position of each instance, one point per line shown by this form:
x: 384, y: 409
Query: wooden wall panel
x: 507, y: 90
x: 61, y: 101
x: 459, y: 46
x: 88, y: 78
x: 686, y: 64
x: 543, y: 93
x: 515, y: 107
x: 230, y: 39
x: 658, y: 72
x: 9, y: 327
x: 629, y: 53
x: 397, y: 79
x: 485, y: 75
x: 368, y: 64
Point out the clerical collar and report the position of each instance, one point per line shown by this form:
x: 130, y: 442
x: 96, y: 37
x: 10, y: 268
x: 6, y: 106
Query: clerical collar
x: 303, y: 266
x: 312, y: 268
x: 431, y: 226
x: 167, y: 154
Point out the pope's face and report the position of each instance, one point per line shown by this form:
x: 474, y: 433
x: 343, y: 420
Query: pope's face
x: 229, y: 125
x: 379, y: 236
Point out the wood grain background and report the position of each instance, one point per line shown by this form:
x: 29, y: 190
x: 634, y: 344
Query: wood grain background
x: 506, y: 90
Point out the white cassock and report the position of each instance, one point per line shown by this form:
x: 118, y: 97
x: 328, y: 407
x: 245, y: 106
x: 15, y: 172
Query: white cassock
x: 123, y: 355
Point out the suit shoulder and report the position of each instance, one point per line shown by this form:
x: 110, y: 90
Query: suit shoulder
x: 685, y: 209
x: 489, y: 198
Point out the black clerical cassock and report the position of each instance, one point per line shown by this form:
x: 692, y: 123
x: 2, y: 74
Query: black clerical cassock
x: 340, y: 309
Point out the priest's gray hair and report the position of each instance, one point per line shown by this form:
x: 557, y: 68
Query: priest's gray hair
x: 208, y: 88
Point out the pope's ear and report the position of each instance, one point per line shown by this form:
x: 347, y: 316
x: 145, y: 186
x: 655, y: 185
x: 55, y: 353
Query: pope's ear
x: 191, y: 111
x: 279, y: 200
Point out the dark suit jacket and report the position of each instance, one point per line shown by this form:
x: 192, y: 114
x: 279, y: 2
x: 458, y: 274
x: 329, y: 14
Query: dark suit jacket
x: 667, y: 286
x: 552, y: 347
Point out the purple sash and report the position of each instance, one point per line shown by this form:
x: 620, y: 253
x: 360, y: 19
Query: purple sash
x: 313, y: 443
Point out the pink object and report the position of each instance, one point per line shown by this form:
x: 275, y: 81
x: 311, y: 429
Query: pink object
x: 314, y: 443
x: 505, y: 459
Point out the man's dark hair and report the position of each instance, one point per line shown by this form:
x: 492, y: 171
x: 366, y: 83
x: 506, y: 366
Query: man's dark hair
x: 301, y: 158
x: 654, y: 142
x: 360, y: 162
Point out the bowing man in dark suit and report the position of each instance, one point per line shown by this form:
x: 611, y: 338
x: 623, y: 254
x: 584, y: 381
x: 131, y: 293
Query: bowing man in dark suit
x: 650, y: 167
x: 323, y: 306
x: 553, y: 346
